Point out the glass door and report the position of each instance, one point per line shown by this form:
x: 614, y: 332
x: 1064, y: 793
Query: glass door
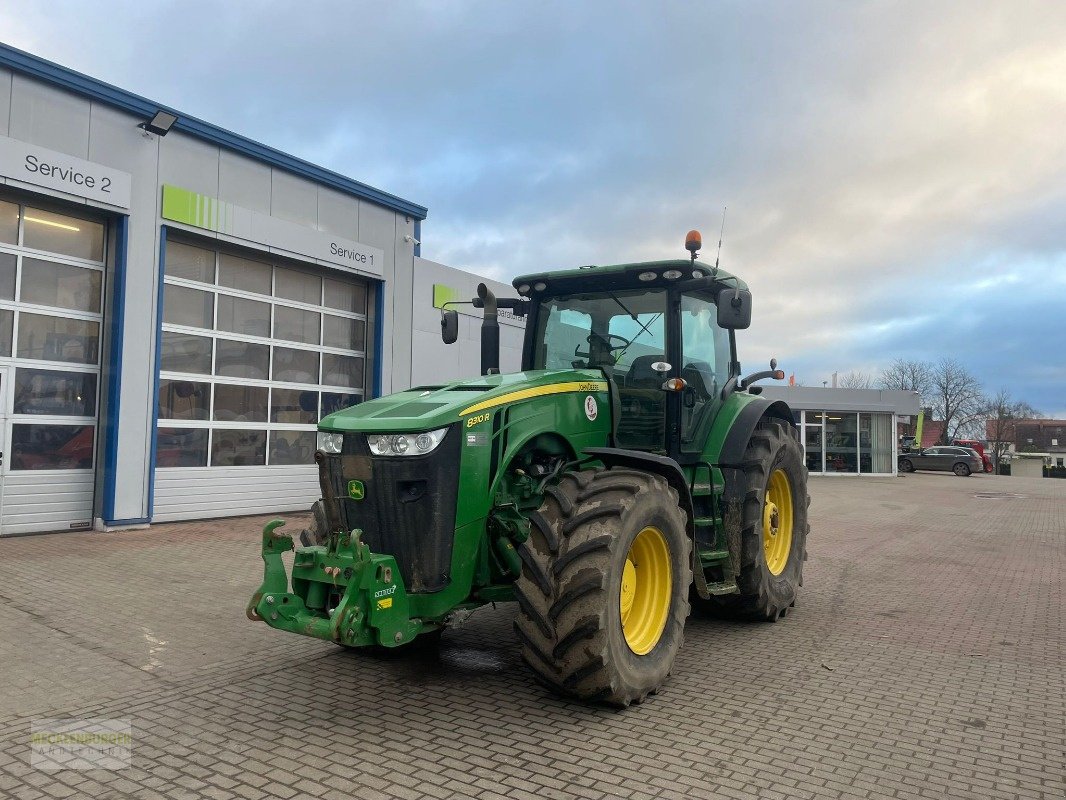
x: 841, y: 442
x: 813, y: 438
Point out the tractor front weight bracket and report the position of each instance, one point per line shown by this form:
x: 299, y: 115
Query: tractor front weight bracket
x: 371, y: 604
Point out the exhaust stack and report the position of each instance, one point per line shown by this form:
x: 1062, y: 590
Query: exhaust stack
x: 490, y: 332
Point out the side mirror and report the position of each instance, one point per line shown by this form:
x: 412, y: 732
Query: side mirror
x: 734, y: 309
x: 449, y: 326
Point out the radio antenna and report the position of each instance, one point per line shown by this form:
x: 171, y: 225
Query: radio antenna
x: 720, y: 234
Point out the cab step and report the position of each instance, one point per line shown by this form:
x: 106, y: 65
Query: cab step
x: 723, y: 587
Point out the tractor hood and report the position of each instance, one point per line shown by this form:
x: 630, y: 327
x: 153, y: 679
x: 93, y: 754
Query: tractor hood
x: 426, y: 408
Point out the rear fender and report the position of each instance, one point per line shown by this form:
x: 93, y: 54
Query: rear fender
x: 659, y: 465
x: 737, y: 422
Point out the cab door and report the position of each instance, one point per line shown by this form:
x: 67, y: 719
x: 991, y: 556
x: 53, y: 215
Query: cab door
x: 705, y: 356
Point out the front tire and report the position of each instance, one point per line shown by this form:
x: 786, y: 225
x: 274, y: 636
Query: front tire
x: 766, y: 509
x: 603, y: 594
x: 906, y: 465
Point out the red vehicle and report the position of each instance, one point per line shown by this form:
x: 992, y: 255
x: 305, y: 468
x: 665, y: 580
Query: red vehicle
x: 973, y: 444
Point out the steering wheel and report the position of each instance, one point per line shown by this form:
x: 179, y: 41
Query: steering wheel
x: 606, y: 339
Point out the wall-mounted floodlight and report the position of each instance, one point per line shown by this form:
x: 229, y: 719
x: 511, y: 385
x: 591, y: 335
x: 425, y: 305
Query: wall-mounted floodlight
x: 160, y: 124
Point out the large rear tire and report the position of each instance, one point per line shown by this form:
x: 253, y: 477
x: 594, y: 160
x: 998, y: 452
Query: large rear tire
x: 766, y: 504
x: 603, y: 594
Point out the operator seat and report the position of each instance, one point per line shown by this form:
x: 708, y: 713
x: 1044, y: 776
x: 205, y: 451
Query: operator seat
x: 643, y: 422
x: 642, y: 376
x: 701, y: 388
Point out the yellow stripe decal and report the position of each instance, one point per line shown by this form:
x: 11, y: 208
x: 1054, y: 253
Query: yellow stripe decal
x: 537, y: 391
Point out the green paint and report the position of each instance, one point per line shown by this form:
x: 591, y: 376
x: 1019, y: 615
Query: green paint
x: 181, y: 205
x: 443, y: 294
x: 198, y: 210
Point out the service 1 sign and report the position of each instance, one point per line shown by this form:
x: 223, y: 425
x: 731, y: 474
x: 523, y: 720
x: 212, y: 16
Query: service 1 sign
x: 41, y: 167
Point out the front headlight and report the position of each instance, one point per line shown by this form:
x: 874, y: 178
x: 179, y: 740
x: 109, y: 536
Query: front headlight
x: 330, y: 442
x: 405, y: 444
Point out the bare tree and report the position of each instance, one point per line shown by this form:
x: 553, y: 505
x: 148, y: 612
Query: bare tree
x: 1023, y: 410
x: 1002, y: 412
x: 999, y: 426
x: 856, y: 380
x: 907, y: 376
x: 956, y: 397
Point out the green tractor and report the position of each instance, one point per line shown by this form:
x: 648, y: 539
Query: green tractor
x: 627, y: 474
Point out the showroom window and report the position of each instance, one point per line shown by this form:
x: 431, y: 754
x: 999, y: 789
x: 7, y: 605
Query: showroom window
x: 51, y: 296
x: 254, y: 353
x: 848, y: 442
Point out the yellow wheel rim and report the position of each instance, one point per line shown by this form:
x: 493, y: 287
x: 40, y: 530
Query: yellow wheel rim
x: 645, y: 591
x: 777, y: 522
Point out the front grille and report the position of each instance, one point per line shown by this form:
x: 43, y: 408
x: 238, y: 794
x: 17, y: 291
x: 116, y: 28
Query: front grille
x: 408, y: 508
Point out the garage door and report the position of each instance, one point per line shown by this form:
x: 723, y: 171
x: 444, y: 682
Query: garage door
x: 51, y: 303
x: 254, y: 353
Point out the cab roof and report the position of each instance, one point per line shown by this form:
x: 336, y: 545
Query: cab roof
x: 619, y: 276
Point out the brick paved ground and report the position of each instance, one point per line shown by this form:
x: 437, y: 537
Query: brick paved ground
x: 925, y: 659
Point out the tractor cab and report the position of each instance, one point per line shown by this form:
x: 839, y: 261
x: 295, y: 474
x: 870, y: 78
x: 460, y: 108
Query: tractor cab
x: 654, y: 331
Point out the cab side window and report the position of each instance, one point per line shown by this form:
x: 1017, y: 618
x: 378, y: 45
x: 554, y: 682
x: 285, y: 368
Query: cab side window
x: 566, y: 331
x: 705, y: 359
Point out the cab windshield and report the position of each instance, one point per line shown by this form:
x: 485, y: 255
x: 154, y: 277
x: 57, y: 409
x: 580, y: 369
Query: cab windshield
x: 624, y: 333
x: 624, y: 330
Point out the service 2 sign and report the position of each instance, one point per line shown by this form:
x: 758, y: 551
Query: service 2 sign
x: 39, y: 166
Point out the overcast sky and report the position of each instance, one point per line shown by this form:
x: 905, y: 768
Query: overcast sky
x: 895, y: 172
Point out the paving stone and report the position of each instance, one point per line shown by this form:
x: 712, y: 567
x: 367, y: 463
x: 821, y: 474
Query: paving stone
x: 923, y: 660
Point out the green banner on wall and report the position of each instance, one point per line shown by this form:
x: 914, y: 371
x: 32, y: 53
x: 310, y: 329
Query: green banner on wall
x: 443, y: 294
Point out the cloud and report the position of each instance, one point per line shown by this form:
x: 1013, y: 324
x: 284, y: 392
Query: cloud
x: 895, y: 173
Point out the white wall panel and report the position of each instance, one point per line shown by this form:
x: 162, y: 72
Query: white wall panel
x: 377, y: 227
x: 338, y: 213
x: 403, y: 285
x: 243, y: 182
x: 188, y: 163
x: 430, y: 365
x: 5, y: 100
x: 220, y: 492
x: 46, y: 501
x: 293, y: 198
x: 49, y: 117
